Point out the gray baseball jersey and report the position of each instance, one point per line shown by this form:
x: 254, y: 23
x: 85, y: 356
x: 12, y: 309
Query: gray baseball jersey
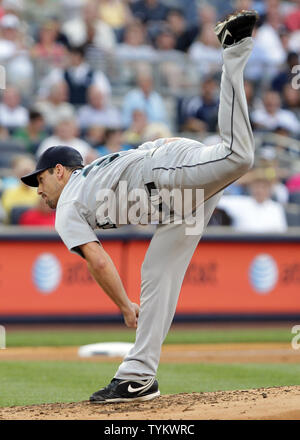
x: 79, y: 211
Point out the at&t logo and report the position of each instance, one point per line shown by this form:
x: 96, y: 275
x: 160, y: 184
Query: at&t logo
x: 46, y: 273
x: 263, y: 273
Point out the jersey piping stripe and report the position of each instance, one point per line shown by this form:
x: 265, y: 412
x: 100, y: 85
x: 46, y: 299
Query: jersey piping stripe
x: 225, y: 186
x: 211, y: 161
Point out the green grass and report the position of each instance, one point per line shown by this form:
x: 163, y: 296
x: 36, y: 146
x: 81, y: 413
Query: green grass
x: 34, y: 382
x: 27, y: 382
x: 61, y: 338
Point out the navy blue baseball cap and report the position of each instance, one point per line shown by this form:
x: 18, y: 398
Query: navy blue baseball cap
x: 66, y: 156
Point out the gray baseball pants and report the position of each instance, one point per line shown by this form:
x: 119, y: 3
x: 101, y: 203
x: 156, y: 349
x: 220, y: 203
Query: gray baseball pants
x: 189, y: 164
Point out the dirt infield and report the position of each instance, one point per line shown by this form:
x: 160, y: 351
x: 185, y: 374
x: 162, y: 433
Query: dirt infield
x: 282, y: 403
x: 264, y: 403
x: 220, y: 353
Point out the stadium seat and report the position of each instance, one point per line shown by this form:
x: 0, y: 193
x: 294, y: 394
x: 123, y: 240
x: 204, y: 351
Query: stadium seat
x: 16, y: 213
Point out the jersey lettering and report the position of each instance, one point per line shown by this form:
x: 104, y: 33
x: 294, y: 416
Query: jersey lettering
x: 99, y: 163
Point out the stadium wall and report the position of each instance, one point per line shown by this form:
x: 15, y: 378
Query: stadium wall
x: 231, y: 277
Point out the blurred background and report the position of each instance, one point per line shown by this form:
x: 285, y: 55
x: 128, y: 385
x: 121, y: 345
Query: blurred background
x: 107, y: 75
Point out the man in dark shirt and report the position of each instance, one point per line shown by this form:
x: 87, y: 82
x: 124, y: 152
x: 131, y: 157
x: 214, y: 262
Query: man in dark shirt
x: 149, y: 10
x: 185, y: 35
x: 200, y: 113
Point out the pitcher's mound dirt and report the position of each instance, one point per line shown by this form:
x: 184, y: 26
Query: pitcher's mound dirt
x: 282, y: 403
x: 264, y: 403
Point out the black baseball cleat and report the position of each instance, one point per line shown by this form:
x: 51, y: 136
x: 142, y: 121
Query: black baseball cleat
x: 120, y: 390
x: 236, y: 27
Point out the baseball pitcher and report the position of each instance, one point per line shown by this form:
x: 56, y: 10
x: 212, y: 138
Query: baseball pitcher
x: 77, y: 194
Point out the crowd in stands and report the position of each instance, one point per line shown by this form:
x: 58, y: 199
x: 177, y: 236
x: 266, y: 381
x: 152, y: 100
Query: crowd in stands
x: 107, y: 75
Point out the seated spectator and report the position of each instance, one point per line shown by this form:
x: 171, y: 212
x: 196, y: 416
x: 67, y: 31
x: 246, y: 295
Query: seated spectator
x: 12, y: 113
x: 20, y: 194
x: 79, y: 77
x: 284, y: 145
x: 190, y: 10
x: 268, y: 36
x: 267, y: 162
x: 65, y: 133
x: 134, y: 134
x: 56, y: 106
x: 10, y: 40
x: 293, y: 42
x: 37, y: 12
x: 34, y: 133
x: 47, y: 50
x: 291, y: 99
x: 38, y: 215
x: 286, y: 75
x: 286, y: 39
x: 4, y: 134
x: 156, y: 130
x: 207, y: 14
x: 15, y: 7
x: 135, y: 45
x: 293, y: 184
x: 171, y: 62
x: 149, y: 10
x: 272, y: 115
x: 95, y: 135
x: 133, y: 52
x: 87, y: 27
x: 292, y: 21
x: 14, y: 53
x: 113, y: 143
x: 98, y: 111
x: 61, y: 38
x: 206, y: 52
x: 71, y: 8
x: 240, y: 5
x: 200, y: 113
x: 143, y: 97
x: 255, y: 213
x: 260, y: 63
x: 116, y: 14
x: 184, y: 34
x: 2, y: 10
